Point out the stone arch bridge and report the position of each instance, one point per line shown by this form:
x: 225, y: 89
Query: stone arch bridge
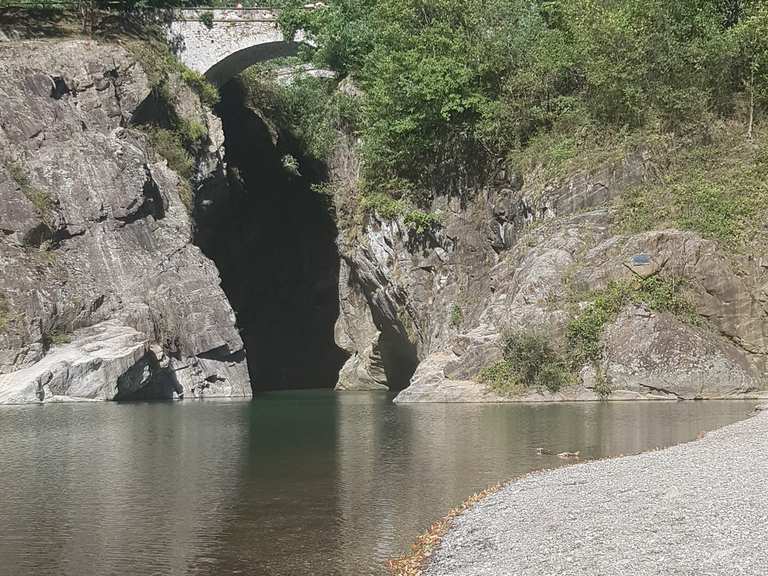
x: 221, y: 43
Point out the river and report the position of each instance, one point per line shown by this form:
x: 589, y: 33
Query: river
x: 292, y: 483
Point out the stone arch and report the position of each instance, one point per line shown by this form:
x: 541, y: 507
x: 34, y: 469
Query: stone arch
x: 231, y: 65
x: 221, y: 43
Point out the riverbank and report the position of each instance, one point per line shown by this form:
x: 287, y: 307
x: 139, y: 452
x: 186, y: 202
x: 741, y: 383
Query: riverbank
x: 696, y: 508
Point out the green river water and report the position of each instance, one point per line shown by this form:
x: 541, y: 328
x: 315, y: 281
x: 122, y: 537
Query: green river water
x: 291, y: 483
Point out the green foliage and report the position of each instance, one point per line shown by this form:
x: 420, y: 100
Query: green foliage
x: 751, y: 40
x: 585, y: 330
x: 155, y: 58
x: 420, y: 221
x: 170, y: 146
x: 310, y: 108
x: 384, y: 205
x: 718, y: 189
x: 389, y: 208
x: 290, y: 164
x: 191, y: 132
x: 502, y: 378
x: 207, y: 19
x: 177, y: 139
x: 208, y: 93
x: 159, y: 63
x: 529, y: 362
x: 602, y: 386
x: 186, y: 194
x: 457, y: 316
x: 452, y: 84
x: 535, y: 361
x: 178, y: 144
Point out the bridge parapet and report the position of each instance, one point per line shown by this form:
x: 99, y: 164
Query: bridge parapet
x: 229, y: 40
x: 226, y: 14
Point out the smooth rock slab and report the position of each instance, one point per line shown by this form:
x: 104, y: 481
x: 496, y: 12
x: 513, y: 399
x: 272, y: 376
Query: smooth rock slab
x: 88, y: 368
x: 696, y: 509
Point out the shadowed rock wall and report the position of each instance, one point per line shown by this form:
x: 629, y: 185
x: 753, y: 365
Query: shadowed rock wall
x: 273, y: 239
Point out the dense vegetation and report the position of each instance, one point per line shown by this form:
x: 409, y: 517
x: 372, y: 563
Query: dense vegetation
x: 310, y: 108
x: 529, y: 362
x: 451, y: 85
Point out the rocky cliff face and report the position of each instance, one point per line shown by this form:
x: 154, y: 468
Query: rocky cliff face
x: 102, y: 293
x: 517, y: 258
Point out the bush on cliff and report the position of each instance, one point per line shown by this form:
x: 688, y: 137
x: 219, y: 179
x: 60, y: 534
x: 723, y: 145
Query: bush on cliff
x: 310, y: 108
x: 452, y: 85
x: 529, y: 361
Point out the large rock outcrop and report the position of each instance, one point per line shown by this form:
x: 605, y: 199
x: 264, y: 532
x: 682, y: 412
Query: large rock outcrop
x: 515, y: 257
x: 102, y: 294
x: 657, y: 354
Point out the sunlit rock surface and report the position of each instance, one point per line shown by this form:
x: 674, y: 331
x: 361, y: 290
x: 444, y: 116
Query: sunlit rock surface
x: 513, y: 257
x: 94, y: 237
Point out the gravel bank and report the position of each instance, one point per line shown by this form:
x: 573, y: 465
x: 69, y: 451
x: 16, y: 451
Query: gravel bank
x: 695, y: 509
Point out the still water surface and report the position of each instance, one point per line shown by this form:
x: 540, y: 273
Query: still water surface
x: 298, y: 483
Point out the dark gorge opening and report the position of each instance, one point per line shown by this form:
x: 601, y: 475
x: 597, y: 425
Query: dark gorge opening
x: 272, y: 238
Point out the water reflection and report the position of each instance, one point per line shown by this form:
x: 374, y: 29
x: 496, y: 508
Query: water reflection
x: 408, y: 466
x: 292, y: 483
x: 101, y: 489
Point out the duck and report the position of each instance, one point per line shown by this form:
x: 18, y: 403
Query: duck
x: 569, y: 455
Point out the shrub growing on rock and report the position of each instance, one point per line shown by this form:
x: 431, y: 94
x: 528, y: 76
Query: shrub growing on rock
x: 529, y: 362
x: 207, y: 19
x: 659, y: 294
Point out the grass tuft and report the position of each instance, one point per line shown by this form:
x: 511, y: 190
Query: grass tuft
x: 457, y: 316
x: 40, y: 199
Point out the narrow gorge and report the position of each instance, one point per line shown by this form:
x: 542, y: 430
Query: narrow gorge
x: 159, y: 245
x: 281, y: 285
x: 273, y: 239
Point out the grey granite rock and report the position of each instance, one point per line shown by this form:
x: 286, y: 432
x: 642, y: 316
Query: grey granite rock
x: 518, y: 256
x: 94, y: 236
x: 647, y: 352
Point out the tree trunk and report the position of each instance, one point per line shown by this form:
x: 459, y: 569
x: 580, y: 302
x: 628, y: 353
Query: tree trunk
x: 751, y: 104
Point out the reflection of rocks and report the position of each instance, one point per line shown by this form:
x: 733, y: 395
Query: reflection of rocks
x: 443, y: 452
x: 94, y: 236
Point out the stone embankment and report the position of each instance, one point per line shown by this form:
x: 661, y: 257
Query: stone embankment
x: 694, y: 509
